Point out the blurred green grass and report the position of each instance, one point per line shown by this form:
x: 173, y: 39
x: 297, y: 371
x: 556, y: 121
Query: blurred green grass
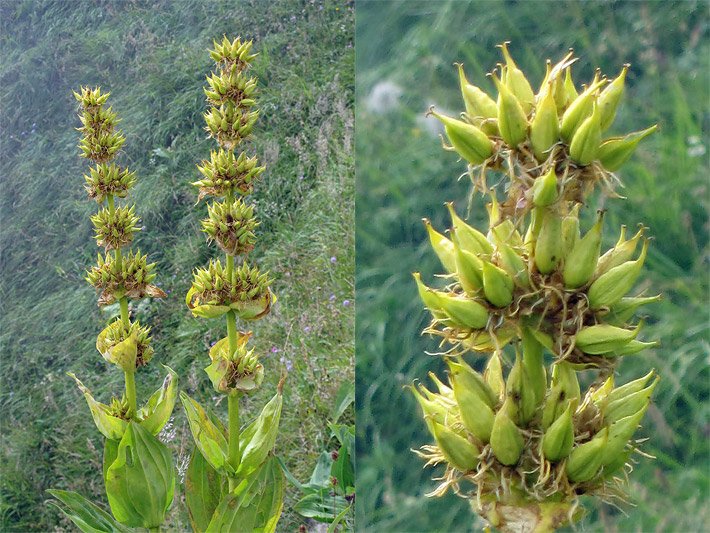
x: 405, y: 52
x: 152, y: 56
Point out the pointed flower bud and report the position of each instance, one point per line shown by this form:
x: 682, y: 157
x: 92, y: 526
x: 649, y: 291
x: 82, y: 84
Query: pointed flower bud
x: 611, y: 286
x: 545, y: 127
x: 506, y: 441
x: 586, y: 139
x: 558, y: 440
x: 468, y: 141
x: 512, y: 121
x: 582, y: 259
x: 610, y: 97
x: 544, y: 189
x: 614, y: 152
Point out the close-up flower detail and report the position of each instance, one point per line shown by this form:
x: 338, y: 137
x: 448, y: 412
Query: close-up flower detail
x: 535, y: 297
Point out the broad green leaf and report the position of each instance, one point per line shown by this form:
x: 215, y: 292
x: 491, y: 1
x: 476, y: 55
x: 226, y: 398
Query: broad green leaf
x: 343, y: 470
x: 255, y: 505
x: 209, y: 311
x: 110, y: 453
x: 333, y: 527
x: 254, y: 309
x: 345, y: 435
x: 140, y: 483
x: 209, y: 438
x: 204, y: 487
x: 112, y: 427
x: 87, y: 516
x: 321, y: 473
x: 322, y: 506
x: 343, y: 399
x: 258, y: 439
x: 157, y: 410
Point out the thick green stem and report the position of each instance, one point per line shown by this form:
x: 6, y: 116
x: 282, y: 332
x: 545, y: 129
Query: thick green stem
x: 131, y: 392
x: 154, y: 529
x: 233, y: 435
x: 125, y: 317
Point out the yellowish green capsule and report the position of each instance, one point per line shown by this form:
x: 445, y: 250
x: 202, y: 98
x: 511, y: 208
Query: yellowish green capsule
x: 493, y: 376
x: 570, y: 230
x: 620, y: 432
x: 513, y: 264
x: 442, y: 246
x: 521, y: 393
x: 614, y: 152
x: 506, y: 441
x: 621, y: 252
x: 565, y: 377
x: 461, y: 453
x: 469, y: 269
x: 582, y: 260
x: 544, y: 189
x: 630, y: 388
x: 558, y: 441
x: 630, y: 404
x: 476, y: 414
x: 622, y: 311
x: 604, y: 338
x: 512, y: 121
x: 463, y: 311
x: 468, y: 140
x: 480, y: 108
x: 516, y: 81
x: 578, y: 111
x: 586, y: 139
x: 548, y: 246
x: 611, y: 286
x: 469, y: 238
x: 610, y: 97
x: 585, y: 460
x: 544, y: 128
x: 497, y: 285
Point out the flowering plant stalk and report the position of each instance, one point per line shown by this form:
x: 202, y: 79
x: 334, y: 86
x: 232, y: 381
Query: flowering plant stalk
x: 233, y: 480
x: 137, y: 468
x: 535, y: 294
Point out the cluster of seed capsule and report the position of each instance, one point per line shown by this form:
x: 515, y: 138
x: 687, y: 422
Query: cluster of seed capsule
x: 218, y: 289
x: 115, y: 275
x: 535, y: 283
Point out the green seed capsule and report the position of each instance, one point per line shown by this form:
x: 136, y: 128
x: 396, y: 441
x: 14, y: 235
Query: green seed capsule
x: 544, y: 189
x: 476, y: 415
x: 610, y: 97
x: 480, y: 107
x: 457, y: 450
x: 512, y: 122
x: 578, y: 111
x: 497, y: 285
x: 604, y: 338
x: 612, y: 285
x: 442, y: 246
x: 558, y: 441
x: 548, y: 247
x: 516, y: 81
x: 582, y: 260
x: 586, y: 459
x: 506, y: 441
x: 469, y: 269
x: 493, y: 376
x: 614, y: 152
x: 586, y: 139
x: 544, y: 128
x: 468, y: 237
x: 468, y: 141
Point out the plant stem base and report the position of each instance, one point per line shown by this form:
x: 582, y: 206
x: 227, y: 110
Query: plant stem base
x: 527, y: 517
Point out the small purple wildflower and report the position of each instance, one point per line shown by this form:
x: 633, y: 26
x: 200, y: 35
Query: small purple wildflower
x: 307, y: 329
x: 333, y: 259
x: 346, y: 303
x: 332, y: 298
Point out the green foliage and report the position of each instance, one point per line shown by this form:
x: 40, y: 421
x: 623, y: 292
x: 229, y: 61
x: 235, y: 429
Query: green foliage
x: 327, y: 496
x: 152, y: 57
x: 402, y: 177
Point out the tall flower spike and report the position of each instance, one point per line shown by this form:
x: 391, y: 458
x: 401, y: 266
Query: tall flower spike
x: 529, y: 437
x: 131, y: 449
x: 233, y: 291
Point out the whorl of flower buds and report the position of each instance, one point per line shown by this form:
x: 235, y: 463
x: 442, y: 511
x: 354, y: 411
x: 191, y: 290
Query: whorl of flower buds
x: 131, y: 277
x: 231, y: 225
x: 104, y: 180
x: 237, y: 371
x: 526, y: 135
x: 115, y: 229
x: 213, y: 293
x: 116, y: 333
x: 226, y: 174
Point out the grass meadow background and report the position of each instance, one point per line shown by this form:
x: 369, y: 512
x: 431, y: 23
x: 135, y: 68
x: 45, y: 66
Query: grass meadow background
x: 405, y: 52
x: 152, y: 56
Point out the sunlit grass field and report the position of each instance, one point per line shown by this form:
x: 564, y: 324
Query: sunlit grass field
x: 405, y: 52
x: 152, y: 57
